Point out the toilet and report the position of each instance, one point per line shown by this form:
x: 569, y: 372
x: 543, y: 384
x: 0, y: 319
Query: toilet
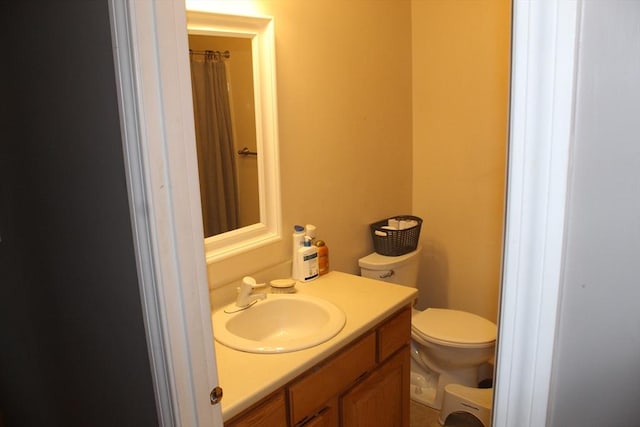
x: 447, y: 346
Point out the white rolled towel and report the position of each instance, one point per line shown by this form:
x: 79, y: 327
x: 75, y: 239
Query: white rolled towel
x: 407, y: 223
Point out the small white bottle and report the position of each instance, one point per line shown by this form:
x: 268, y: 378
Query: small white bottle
x: 298, y: 243
x: 310, y: 231
x: 308, y: 258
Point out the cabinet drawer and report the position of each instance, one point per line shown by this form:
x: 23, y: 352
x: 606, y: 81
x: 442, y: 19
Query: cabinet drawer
x: 394, y: 333
x: 270, y: 412
x: 327, y: 417
x: 311, y: 392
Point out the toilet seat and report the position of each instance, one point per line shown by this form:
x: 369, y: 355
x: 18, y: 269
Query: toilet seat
x: 453, y: 328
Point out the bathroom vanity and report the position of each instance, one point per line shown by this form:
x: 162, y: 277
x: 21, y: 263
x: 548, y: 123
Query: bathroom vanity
x: 360, y: 374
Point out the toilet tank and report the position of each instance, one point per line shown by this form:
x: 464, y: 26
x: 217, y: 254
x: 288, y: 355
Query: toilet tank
x: 402, y: 269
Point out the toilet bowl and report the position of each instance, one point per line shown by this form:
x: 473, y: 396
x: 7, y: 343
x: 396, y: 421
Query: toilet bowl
x: 447, y: 346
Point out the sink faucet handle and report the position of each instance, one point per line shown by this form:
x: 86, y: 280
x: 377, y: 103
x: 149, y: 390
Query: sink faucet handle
x: 250, y: 282
x: 245, y: 292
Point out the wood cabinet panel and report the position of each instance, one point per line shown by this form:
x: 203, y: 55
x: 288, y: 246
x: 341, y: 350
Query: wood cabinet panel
x: 311, y: 392
x: 328, y: 417
x: 381, y: 399
x: 365, y: 384
x: 394, y: 333
x: 269, y: 412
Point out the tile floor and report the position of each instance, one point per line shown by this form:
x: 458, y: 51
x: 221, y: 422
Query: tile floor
x: 424, y: 416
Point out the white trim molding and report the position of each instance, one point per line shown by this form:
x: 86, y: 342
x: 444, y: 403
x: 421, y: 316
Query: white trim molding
x: 542, y: 104
x: 150, y: 53
x: 258, y: 29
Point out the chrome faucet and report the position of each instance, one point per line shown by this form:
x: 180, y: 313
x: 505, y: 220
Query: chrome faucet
x: 246, y: 296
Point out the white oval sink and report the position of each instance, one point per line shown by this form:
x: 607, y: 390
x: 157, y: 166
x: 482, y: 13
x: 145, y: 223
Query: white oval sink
x: 279, y: 324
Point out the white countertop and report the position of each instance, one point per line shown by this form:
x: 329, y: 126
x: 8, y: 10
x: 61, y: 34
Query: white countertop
x: 247, y: 377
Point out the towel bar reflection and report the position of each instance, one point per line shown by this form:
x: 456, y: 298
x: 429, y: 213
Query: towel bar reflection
x: 246, y: 152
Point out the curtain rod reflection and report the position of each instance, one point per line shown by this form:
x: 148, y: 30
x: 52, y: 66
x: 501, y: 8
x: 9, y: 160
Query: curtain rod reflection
x: 215, y: 53
x: 246, y: 152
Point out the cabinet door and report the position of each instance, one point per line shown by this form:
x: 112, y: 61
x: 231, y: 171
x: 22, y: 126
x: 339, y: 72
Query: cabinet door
x: 309, y: 394
x: 328, y: 417
x: 382, y: 398
x: 270, y: 412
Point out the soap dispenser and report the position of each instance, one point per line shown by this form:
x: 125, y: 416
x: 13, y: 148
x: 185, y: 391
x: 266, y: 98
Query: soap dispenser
x: 308, y: 261
x: 298, y: 243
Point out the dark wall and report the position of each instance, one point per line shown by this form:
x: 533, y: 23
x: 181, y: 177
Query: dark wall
x: 72, y: 340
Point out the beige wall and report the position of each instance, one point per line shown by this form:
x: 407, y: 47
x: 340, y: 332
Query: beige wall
x: 377, y: 119
x: 460, y: 107
x: 344, y: 107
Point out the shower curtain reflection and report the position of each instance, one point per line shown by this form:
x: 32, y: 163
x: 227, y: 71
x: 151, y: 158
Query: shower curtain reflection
x: 214, y: 140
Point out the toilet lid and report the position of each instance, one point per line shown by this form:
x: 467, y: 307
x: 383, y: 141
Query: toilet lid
x: 375, y: 261
x: 453, y: 326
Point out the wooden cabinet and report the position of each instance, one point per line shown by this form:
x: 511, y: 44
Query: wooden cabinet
x: 366, y: 383
x: 381, y: 399
x: 309, y: 394
x: 328, y: 417
x: 394, y: 333
x: 269, y: 412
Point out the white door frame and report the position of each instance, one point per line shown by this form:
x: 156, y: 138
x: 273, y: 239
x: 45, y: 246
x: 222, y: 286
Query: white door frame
x: 154, y: 87
x: 540, y: 137
x: 156, y: 116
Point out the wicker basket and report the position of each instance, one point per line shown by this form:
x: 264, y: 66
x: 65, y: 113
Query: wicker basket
x: 395, y: 242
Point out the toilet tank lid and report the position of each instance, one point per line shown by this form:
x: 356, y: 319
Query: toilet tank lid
x: 375, y: 261
x: 454, y: 326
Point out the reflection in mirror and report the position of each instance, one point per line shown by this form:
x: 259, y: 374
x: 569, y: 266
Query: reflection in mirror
x: 224, y: 115
x: 239, y: 174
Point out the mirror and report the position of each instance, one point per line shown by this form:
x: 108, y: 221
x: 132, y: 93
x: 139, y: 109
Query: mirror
x: 224, y: 111
x: 240, y: 181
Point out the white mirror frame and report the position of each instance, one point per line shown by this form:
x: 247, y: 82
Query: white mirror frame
x: 260, y: 31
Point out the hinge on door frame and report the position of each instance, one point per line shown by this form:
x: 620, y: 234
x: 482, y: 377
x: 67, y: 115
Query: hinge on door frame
x: 216, y: 395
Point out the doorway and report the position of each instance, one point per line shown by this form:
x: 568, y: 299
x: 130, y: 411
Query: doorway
x: 170, y: 251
